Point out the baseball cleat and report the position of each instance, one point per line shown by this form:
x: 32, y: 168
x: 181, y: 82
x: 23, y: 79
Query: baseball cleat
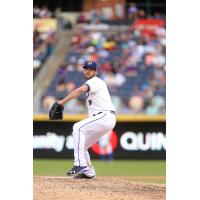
x: 86, y: 174
x: 75, y: 170
x: 83, y: 176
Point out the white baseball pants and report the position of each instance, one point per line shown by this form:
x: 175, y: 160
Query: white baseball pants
x: 87, y: 132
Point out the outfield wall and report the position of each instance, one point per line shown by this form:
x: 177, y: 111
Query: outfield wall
x: 134, y: 137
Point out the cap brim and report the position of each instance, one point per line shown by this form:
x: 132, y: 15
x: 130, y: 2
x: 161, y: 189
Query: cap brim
x: 86, y: 67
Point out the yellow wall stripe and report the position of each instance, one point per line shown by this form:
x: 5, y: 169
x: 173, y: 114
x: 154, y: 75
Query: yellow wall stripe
x: 121, y: 118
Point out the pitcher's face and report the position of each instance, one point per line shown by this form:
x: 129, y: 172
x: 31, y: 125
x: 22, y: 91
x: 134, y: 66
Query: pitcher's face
x: 89, y: 73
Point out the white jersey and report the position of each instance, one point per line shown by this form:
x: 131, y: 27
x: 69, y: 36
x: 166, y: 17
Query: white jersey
x: 98, y: 97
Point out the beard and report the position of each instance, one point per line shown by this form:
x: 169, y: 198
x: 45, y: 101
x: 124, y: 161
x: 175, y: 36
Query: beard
x: 87, y: 77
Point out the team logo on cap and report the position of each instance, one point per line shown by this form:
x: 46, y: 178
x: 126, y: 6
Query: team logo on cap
x: 89, y: 62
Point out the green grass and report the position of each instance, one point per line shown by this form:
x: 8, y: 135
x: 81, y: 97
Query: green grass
x: 143, y: 168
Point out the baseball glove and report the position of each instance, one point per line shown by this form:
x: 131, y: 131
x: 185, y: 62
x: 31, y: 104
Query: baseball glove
x: 56, y: 112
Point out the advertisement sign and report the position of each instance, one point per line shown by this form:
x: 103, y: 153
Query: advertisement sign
x: 128, y: 140
x: 45, y: 25
x: 153, y: 23
x: 148, y: 27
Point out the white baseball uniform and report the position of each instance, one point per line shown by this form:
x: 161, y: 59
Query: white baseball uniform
x: 101, y: 120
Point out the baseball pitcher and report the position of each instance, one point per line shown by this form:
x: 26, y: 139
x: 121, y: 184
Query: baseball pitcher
x: 88, y: 131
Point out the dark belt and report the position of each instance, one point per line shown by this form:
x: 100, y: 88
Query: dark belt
x: 111, y: 111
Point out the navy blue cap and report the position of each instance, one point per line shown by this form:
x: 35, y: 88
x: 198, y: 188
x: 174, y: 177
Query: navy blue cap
x: 90, y: 64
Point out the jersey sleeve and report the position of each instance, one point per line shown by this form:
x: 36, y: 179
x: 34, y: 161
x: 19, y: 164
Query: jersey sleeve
x: 92, y: 85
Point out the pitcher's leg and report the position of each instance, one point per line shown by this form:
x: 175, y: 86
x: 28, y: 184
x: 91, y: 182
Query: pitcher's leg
x: 79, y: 145
x: 81, y: 130
x: 93, y: 130
x: 86, y: 133
x: 91, y: 169
x: 93, y: 138
x: 87, y: 156
x: 90, y: 138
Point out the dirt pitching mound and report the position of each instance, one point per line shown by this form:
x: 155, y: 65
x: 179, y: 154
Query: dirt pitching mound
x: 101, y: 188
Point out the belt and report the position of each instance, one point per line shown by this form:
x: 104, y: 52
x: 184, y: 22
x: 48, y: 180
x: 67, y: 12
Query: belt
x: 111, y: 111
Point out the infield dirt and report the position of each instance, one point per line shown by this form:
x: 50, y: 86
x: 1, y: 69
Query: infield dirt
x: 101, y: 188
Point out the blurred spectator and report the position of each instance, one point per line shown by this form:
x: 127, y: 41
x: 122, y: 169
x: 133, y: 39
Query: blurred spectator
x: 107, y: 13
x: 62, y: 68
x: 43, y: 12
x: 47, y: 102
x: 118, y: 103
x: 136, y: 104
x: 132, y: 11
x: 141, y: 14
x: 157, y: 15
x: 113, y: 81
x: 106, y: 151
x: 36, y: 11
x: 119, y: 11
x: 63, y: 23
x: 156, y: 106
x: 61, y: 89
x: 95, y: 16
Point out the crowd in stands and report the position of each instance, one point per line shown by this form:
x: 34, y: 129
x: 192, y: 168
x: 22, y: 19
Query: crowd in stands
x: 117, y: 15
x: 131, y: 62
x: 41, y: 12
x: 43, y: 42
x: 43, y: 46
x: 134, y: 13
